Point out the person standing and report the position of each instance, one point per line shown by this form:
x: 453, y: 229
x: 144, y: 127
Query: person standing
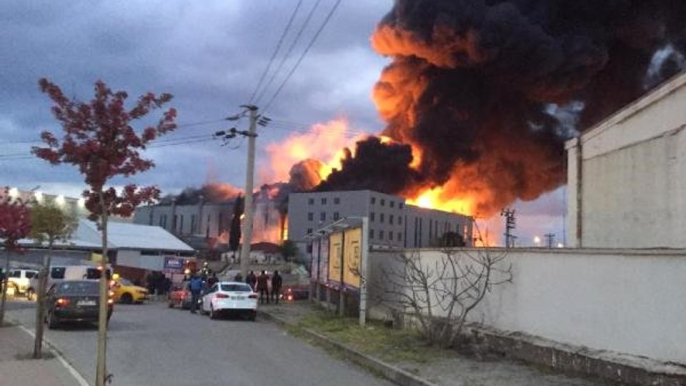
x: 251, y: 279
x: 262, y: 287
x: 195, y: 286
x: 277, y: 281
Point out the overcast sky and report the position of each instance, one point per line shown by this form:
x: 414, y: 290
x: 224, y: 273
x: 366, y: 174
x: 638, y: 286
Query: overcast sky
x: 210, y: 56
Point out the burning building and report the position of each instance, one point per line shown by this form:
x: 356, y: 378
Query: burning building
x: 392, y: 222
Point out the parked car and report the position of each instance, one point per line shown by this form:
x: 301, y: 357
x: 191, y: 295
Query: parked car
x: 180, y: 296
x: 230, y: 298
x: 74, y: 301
x: 19, y: 279
x: 127, y: 292
x: 297, y: 292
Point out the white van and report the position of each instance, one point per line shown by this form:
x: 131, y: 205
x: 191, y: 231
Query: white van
x: 68, y: 272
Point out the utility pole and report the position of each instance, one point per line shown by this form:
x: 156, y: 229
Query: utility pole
x: 509, y: 215
x: 550, y: 237
x: 247, y: 229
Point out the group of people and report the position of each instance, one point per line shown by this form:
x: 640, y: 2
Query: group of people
x: 269, y: 287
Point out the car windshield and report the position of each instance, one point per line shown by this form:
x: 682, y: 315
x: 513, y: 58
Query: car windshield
x: 235, y: 288
x: 78, y: 288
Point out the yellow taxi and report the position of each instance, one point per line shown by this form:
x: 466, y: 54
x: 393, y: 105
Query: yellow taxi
x: 127, y: 292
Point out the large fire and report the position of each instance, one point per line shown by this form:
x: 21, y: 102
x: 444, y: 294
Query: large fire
x: 324, y: 142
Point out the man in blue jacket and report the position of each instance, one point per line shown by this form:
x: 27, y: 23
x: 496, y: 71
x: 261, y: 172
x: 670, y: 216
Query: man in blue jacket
x: 195, y: 286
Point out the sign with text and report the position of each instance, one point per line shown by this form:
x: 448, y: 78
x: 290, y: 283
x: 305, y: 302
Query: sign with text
x: 345, y: 253
x: 173, y: 264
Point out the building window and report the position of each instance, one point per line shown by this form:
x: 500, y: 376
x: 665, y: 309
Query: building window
x: 383, y: 202
x: 371, y: 233
x: 181, y: 224
x: 380, y: 235
x: 372, y: 215
x: 336, y: 216
x: 400, y: 236
x: 322, y: 216
x: 310, y: 201
x: 390, y: 236
x: 400, y: 205
x: 392, y: 204
x: 194, y: 224
x: 309, y: 248
x: 309, y: 231
x: 310, y: 216
x: 373, y: 200
x: 336, y: 200
x: 381, y: 217
x: 323, y: 201
x: 400, y: 220
x: 390, y: 219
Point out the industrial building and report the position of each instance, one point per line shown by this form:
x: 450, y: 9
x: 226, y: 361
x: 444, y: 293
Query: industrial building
x: 392, y: 222
x: 205, y: 224
x: 626, y: 176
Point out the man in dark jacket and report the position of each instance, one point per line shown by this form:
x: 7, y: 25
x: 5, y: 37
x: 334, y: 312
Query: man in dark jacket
x: 263, y: 286
x: 277, y: 281
x: 251, y: 280
x: 195, y: 286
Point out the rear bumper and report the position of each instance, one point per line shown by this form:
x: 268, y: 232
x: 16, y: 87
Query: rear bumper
x: 238, y: 306
x: 76, y: 315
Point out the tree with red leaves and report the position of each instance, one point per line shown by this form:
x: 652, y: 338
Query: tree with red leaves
x: 15, y: 224
x: 100, y: 141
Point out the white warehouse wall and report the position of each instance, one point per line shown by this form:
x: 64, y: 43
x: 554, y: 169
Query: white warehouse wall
x: 622, y: 301
x: 629, y: 190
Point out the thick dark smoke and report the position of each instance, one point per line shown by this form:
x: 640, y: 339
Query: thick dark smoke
x: 474, y: 86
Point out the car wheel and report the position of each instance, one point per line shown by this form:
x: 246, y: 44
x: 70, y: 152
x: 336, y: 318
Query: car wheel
x: 126, y: 298
x: 213, y: 314
x: 252, y: 316
x: 30, y: 294
x: 52, y: 321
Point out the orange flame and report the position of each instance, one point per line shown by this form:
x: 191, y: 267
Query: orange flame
x: 324, y: 142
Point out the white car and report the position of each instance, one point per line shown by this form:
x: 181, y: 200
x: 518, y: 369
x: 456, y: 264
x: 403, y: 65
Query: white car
x: 228, y: 297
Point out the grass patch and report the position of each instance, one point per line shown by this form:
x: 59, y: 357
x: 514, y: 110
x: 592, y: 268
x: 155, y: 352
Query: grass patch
x: 390, y: 345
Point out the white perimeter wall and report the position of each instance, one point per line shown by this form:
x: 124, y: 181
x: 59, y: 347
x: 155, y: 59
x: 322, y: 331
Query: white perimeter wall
x: 631, y: 302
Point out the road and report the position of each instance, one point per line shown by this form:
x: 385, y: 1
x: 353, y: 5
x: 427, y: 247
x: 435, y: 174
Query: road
x: 150, y: 344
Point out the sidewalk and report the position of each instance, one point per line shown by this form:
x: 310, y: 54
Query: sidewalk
x: 450, y: 369
x: 17, y: 367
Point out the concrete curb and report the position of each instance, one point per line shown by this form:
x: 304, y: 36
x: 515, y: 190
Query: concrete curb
x: 388, y: 371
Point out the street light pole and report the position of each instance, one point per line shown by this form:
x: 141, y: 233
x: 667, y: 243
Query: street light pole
x: 247, y: 229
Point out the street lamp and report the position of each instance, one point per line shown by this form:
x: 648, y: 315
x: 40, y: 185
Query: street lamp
x: 537, y: 241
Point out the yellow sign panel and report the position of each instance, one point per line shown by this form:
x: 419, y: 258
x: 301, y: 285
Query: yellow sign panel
x: 352, y: 257
x: 345, y: 254
x: 335, y: 250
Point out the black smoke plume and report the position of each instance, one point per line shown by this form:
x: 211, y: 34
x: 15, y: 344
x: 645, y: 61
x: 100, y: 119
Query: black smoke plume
x: 475, y: 87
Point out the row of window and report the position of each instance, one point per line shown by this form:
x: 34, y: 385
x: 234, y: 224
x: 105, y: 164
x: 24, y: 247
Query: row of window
x: 382, y: 202
x: 381, y: 235
x: 336, y: 201
x: 372, y: 217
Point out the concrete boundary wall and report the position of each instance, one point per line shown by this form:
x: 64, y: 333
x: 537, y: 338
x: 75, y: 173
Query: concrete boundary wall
x: 621, y: 301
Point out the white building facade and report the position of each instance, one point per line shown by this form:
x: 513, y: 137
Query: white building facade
x: 627, y: 175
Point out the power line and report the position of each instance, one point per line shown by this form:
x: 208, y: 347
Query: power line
x: 184, y: 141
x: 326, y: 21
x: 191, y: 124
x: 276, y: 50
x: 290, y: 50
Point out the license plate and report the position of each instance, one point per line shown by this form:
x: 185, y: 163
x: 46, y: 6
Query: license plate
x: 237, y: 297
x: 85, y: 303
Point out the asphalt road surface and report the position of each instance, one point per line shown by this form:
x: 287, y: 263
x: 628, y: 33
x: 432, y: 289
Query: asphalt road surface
x: 152, y: 345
